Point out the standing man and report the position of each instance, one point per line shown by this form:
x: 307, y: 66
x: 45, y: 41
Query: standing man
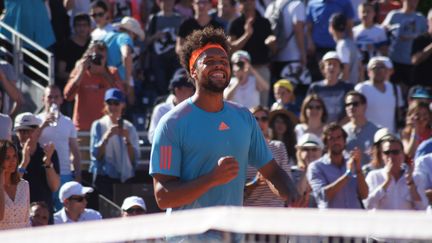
x: 360, y: 131
x: 120, y: 46
x: 337, y: 181
x: 377, y: 88
x: 404, y: 25
x: 252, y: 32
x: 63, y: 136
x: 202, y: 147
x: 421, y: 55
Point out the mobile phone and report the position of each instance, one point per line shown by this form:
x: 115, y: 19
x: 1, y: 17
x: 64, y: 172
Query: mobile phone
x: 120, y: 122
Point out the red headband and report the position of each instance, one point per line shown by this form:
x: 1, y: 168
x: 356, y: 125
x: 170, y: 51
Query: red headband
x: 196, y: 53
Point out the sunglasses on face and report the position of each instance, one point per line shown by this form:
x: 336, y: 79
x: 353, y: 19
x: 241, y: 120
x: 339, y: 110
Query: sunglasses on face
x: 134, y: 211
x: 262, y: 118
x: 113, y: 102
x: 392, y: 152
x: 77, y: 198
x: 354, y: 104
x: 314, y: 107
x: 98, y: 15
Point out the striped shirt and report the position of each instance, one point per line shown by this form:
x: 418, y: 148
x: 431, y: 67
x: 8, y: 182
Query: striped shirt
x: 262, y: 195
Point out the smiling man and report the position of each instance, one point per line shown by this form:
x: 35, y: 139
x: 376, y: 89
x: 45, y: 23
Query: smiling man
x: 202, y: 147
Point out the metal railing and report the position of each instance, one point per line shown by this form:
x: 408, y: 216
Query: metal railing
x: 33, y: 64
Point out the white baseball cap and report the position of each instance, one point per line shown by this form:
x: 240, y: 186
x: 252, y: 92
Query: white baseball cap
x: 25, y: 121
x: 331, y: 55
x: 309, y: 140
x: 73, y: 188
x: 133, y: 201
x: 382, y: 133
x: 380, y: 59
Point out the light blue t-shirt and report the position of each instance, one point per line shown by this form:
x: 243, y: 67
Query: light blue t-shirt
x: 403, y: 29
x: 114, y: 41
x: 189, y: 141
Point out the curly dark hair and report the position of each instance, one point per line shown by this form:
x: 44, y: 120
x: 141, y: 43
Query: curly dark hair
x: 200, y: 38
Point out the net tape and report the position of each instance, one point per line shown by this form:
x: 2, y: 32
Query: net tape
x: 279, y: 221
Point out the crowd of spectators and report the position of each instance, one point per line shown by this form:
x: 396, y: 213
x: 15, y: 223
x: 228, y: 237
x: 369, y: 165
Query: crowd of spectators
x: 349, y: 93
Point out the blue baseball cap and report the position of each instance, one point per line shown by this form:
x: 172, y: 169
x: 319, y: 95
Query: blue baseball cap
x: 420, y: 92
x: 114, y: 94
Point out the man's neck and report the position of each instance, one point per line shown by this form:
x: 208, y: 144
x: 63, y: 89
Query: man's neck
x: 367, y: 25
x: 80, y: 40
x: 208, y: 101
x: 336, y: 159
x: 380, y: 85
x: 72, y: 216
x: 203, y: 20
x: 330, y: 82
x: 359, y: 121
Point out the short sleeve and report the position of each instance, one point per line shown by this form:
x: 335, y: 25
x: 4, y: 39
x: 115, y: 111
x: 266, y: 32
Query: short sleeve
x: 166, y: 152
x: 259, y: 152
x: 124, y: 39
x: 344, y: 52
x: 299, y: 12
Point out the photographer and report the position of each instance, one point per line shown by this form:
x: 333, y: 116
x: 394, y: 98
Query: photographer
x: 87, y: 84
x: 113, y: 145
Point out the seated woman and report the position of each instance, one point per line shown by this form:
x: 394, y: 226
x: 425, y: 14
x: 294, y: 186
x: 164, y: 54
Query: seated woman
x: 417, y: 128
x: 284, y: 95
x: 313, y: 116
x: 309, y: 148
x: 376, y: 159
x: 14, y: 191
x: 113, y: 145
x: 282, y: 124
x: 257, y: 192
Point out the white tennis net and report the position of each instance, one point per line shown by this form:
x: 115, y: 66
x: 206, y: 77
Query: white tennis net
x: 409, y: 225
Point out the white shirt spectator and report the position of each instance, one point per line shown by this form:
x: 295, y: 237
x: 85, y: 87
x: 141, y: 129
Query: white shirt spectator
x: 293, y: 13
x: 245, y: 94
x: 158, y: 111
x: 397, y: 195
x: 59, y: 136
x: 99, y: 34
x: 89, y: 214
x: 381, y: 113
x: 374, y: 36
x: 423, y: 165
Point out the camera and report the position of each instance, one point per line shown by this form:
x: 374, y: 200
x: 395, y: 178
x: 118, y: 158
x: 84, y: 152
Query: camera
x: 96, y: 58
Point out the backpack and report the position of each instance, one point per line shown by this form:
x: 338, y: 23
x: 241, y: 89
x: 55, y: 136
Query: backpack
x: 274, y: 14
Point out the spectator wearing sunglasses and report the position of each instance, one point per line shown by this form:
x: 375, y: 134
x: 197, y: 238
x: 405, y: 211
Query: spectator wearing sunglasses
x: 309, y: 148
x: 360, y: 131
x: 73, y: 196
x: 258, y: 192
x: 246, y: 85
x: 99, y: 13
x: 113, y: 145
x: 133, y: 206
x: 313, y: 116
x: 395, y: 186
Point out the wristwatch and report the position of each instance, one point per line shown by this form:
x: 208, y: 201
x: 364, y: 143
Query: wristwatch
x: 348, y: 173
x: 22, y: 170
x: 48, y: 166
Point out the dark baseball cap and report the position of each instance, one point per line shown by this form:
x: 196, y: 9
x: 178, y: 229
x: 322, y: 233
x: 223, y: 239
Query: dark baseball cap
x: 180, y: 79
